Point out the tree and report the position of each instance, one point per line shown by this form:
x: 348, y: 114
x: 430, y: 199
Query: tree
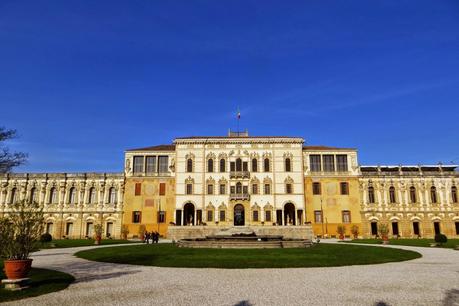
x: 9, y: 160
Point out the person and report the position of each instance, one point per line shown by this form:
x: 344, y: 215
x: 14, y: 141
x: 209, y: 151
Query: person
x: 156, y: 237
x: 147, y: 237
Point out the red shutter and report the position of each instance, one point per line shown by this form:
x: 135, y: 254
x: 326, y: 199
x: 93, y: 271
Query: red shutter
x: 162, y: 189
x: 138, y: 189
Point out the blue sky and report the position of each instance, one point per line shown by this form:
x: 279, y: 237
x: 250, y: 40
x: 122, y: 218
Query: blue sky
x: 82, y: 81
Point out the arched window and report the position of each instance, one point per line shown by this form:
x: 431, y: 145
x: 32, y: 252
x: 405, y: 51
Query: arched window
x: 433, y: 194
x: 413, y: 194
x: 454, y: 194
x: 288, y: 165
x: 371, y: 194
x: 210, y: 165
x: 112, y: 195
x: 222, y: 165
x: 392, y: 198
x: 72, y: 195
x: 13, y: 196
x: 266, y: 164
x: 238, y: 164
x: 92, y: 195
x: 53, y: 196
x: 33, y: 195
x: 189, y: 165
x: 238, y: 188
x: 254, y: 165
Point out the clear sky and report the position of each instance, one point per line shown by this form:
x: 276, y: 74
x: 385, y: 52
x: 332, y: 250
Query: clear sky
x: 82, y: 81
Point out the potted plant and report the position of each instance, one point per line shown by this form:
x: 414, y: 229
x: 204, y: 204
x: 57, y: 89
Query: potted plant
x: 98, y: 231
x: 355, y: 231
x: 440, y: 239
x: 384, y: 232
x: 341, y: 230
x: 20, y: 234
x: 124, y: 231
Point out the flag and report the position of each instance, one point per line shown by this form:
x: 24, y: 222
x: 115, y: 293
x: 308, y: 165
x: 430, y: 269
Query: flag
x: 238, y: 113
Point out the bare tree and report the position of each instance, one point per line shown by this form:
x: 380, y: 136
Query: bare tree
x: 9, y: 160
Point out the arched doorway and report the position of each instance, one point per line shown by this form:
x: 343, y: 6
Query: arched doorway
x: 188, y: 214
x: 239, y: 215
x: 289, y: 214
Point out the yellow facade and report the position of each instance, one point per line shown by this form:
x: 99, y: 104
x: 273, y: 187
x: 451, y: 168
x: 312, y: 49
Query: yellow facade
x: 149, y: 203
x: 331, y: 203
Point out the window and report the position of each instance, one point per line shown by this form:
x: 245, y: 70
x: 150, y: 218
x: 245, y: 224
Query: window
x: 222, y: 188
x: 109, y: 229
x: 288, y: 165
x: 316, y: 164
x: 189, y: 188
x: 371, y: 195
x: 329, y: 163
x: 392, y: 198
x: 344, y: 188
x: 136, y: 216
x: 254, y: 188
x: 254, y: 165
x: 68, y: 229
x: 267, y: 189
x: 89, y: 229
x: 33, y: 195
x: 346, y: 216
x: 433, y: 194
x: 222, y: 165
x: 413, y: 194
x: 163, y: 162
x: 238, y: 188
x: 92, y: 195
x: 255, y: 216
x: 162, y: 189
x: 49, y: 228
x: 138, y: 189
x: 210, y: 215
x: 454, y: 194
x: 317, y: 216
x: 150, y: 164
x: 13, y: 196
x: 341, y: 162
x: 457, y: 227
x: 268, y: 216
x: 266, y: 164
x: 72, y: 196
x: 288, y: 188
x: 189, y: 165
x: 112, y: 195
x: 210, y: 165
x: 238, y: 164
x: 245, y: 166
x: 316, y: 188
x: 53, y: 196
x: 210, y: 189
x: 222, y: 215
x: 138, y: 164
x: 162, y: 217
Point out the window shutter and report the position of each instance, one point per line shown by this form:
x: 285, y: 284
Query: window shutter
x: 162, y: 188
x: 138, y: 189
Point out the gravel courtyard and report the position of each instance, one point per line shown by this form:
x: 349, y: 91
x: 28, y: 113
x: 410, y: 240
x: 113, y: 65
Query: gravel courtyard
x: 430, y: 280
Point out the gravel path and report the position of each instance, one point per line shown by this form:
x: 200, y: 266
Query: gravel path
x: 430, y: 280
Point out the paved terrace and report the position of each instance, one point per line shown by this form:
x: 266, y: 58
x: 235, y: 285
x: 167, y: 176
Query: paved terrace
x: 430, y: 280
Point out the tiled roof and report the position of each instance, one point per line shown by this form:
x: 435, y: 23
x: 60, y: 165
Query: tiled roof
x: 325, y: 148
x: 168, y: 147
x: 231, y: 137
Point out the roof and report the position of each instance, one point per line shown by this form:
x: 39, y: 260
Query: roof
x: 163, y: 147
x: 232, y: 137
x: 326, y: 148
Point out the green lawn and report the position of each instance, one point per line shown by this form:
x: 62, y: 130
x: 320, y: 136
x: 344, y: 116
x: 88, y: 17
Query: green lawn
x: 452, y: 243
x: 43, y: 281
x: 70, y: 243
x: 323, y: 255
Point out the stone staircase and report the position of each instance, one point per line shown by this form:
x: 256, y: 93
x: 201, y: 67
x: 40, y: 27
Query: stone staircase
x: 244, y: 244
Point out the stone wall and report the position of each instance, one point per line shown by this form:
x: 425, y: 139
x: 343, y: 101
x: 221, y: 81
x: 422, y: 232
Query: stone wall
x: 288, y: 232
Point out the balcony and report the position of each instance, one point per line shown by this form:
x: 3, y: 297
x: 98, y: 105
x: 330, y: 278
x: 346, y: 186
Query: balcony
x: 239, y: 174
x: 239, y: 196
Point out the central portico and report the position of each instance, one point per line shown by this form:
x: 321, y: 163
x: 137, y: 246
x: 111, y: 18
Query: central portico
x: 239, y: 180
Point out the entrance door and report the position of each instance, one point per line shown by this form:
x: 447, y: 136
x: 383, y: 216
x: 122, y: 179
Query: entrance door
x: 437, y: 228
x: 188, y: 214
x: 239, y: 217
x: 395, y: 228
x: 109, y: 230
x: 416, y: 231
x: 374, y: 228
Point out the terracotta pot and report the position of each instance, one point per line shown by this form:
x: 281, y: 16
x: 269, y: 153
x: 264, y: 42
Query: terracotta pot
x: 341, y: 237
x: 15, y: 269
x: 98, y: 239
